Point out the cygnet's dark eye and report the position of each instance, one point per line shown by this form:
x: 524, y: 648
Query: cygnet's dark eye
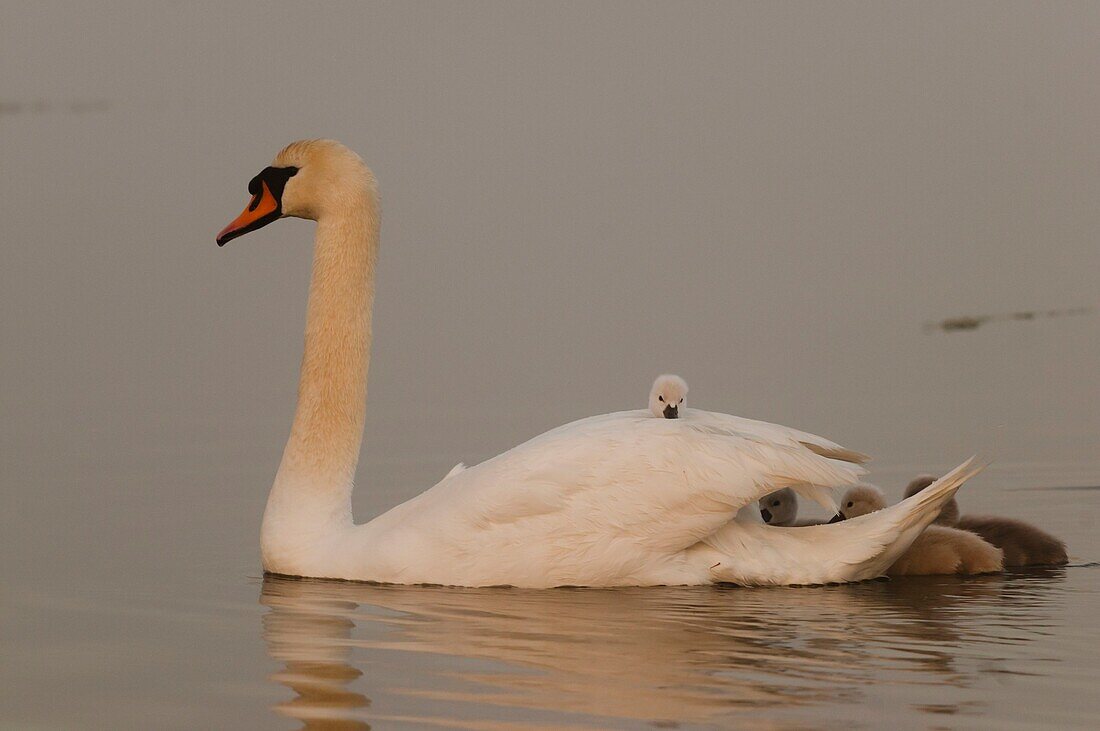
x: 775, y: 503
x: 681, y: 401
x: 850, y: 503
x: 661, y: 399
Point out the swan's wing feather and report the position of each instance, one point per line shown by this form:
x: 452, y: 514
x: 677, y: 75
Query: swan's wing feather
x: 661, y: 483
x: 835, y: 451
x: 460, y: 467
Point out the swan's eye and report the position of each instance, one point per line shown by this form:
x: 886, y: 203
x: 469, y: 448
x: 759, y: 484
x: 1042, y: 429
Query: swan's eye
x: 850, y: 503
x: 775, y: 503
x: 681, y: 401
x: 661, y: 399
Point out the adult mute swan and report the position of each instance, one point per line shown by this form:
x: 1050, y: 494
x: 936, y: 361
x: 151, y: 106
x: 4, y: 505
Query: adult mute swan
x: 613, y: 500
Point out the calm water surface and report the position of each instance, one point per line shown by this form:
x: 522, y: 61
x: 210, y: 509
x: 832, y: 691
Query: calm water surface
x: 209, y: 643
x: 772, y: 200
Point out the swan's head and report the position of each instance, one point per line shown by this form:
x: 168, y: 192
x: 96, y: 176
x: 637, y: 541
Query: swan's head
x: 307, y: 179
x: 668, y: 396
x: 949, y: 513
x: 860, y: 500
x: 779, y: 508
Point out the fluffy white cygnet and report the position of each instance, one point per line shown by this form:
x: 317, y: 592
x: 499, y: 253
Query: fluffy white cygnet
x: 668, y: 396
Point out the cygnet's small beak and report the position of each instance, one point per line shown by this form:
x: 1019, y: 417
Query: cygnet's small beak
x: 672, y: 411
x: 766, y: 515
x: 837, y: 518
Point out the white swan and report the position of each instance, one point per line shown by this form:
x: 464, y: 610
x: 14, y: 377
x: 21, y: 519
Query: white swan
x: 613, y: 500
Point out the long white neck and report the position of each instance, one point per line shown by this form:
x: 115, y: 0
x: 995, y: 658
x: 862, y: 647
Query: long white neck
x: 310, y: 500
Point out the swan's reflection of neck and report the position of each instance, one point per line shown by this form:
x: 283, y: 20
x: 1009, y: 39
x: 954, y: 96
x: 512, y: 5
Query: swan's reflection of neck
x: 310, y: 635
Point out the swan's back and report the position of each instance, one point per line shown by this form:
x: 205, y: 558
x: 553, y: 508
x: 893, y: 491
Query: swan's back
x: 609, y: 499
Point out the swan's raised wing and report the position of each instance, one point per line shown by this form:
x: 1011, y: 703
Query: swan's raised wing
x: 612, y: 490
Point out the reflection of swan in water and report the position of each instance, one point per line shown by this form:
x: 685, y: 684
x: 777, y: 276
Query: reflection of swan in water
x: 313, y: 646
x: 690, y: 654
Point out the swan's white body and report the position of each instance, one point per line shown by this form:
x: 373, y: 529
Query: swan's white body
x: 613, y: 500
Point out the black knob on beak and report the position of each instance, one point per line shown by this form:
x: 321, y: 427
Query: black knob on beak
x: 672, y: 411
x: 766, y: 515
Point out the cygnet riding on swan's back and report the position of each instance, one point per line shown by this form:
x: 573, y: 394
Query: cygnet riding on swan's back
x: 666, y: 398
x: 613, y: 500
x: 938, y: 550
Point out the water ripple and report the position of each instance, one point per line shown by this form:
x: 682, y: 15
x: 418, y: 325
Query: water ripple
x: 689, y: 655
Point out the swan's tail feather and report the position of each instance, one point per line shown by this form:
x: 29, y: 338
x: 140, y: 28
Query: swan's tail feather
x: 852, y: 550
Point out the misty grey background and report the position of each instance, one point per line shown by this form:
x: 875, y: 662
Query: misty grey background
x: 768, y: 199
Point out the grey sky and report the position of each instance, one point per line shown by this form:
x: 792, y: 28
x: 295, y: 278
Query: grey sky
x: 768, y: 199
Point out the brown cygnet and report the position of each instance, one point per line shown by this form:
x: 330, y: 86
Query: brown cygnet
x: 1023, y: 544
x: 938, y: 550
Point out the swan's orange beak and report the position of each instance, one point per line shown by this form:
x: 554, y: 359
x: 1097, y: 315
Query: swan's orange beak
x: 262, y: 210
